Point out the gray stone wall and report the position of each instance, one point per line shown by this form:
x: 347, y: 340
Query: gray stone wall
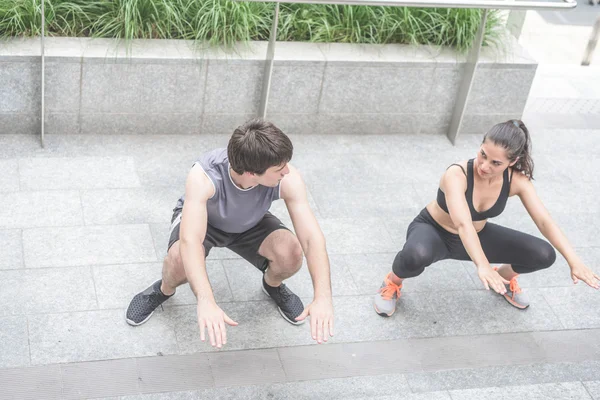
x: 169, y: 87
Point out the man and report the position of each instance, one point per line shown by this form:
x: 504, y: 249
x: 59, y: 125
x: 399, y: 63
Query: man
x: 228, y: 193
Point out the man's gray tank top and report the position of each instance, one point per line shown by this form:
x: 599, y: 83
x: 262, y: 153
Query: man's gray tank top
x: 232, y: 209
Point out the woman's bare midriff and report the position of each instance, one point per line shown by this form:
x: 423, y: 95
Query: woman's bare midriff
x: 443, y: 218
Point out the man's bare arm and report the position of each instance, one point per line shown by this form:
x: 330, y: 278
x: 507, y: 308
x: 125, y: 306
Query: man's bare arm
x: 194, y: 221
x: 310, y: 236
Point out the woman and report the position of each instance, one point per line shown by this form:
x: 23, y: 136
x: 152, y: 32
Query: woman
x: 455, y: 225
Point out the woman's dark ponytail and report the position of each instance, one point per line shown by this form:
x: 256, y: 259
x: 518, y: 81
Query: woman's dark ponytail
x: 525, y: 163
x: 514, y: 136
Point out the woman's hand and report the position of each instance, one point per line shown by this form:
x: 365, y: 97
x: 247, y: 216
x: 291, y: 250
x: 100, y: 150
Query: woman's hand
x: 492, y: 279
x: 579, y: 271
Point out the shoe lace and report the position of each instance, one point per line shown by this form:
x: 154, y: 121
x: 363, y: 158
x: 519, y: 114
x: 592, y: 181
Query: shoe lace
x: 514, y: 286
x: 284, y: 292
x: 390, y: 288
x: 154, y: 299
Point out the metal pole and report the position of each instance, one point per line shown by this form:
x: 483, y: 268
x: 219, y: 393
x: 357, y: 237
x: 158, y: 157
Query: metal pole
x: 591, y: 46
x: 43, y: 70
x: 262, y: 112
x: 467, y: 81
x: 515, y: 22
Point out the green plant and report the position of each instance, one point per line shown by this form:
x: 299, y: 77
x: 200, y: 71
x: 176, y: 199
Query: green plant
x: 225, y: 22
x: 361, y: 24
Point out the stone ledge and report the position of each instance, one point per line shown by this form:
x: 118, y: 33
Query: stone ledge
x: 92, y: 83
x: 162, y: 50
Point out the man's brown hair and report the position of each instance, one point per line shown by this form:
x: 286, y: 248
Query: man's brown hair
x: 258, y: 145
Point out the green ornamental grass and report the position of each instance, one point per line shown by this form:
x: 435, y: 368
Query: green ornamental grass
x: 224, y: 22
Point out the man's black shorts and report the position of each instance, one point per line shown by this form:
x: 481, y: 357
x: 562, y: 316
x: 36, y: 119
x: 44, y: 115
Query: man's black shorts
x: 246, y: 244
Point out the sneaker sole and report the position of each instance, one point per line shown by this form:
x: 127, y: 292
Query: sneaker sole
x: 133, y: 323
x: 382, y: 313
x: 281, y: 312
x: 514, y: 304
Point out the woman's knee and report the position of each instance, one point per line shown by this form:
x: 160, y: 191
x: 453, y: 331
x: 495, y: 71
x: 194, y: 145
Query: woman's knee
x: 412, y: 260
x: 546, y: 255
x: 541, y: 257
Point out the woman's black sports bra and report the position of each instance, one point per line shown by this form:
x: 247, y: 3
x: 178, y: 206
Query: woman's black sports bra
x: 493, y: 211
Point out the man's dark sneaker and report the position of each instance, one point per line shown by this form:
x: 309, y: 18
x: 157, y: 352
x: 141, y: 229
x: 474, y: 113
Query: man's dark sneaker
x: 290, y: 306
x: 143, y: 304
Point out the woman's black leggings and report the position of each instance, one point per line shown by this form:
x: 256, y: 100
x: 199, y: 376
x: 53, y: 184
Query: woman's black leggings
x: 427, y: 242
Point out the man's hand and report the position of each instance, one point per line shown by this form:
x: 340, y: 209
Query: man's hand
x: 492, y: 279
x: 580, y: 271
x: 321, y: 318
x: 211, y: 317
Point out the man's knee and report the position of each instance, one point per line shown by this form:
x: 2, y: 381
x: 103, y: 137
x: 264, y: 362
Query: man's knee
x: 288, y: 256
x: 173, y: 259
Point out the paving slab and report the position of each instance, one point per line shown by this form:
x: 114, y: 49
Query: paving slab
x: 259, y: 326
x: 486, y: 312
x: 96, y: 335
x: 174, y: 373
x: 77, y: 173
x: 90, y: 245
x: 348, y: 359
x: 99, y: 379
x: 346, y: 236
x: 128, y: 206
x: 562, y: 391
x: 479, y: 350
x: 9, y: 180
x: 366, y: 200
x: 166, y: 169
x: 587, y: 370
x: 38, y: 291
x: 253, y: 366
x: 593, y: 389
x: 40, y: 209
x: 575, y: 306
x: 397, y: 226
x: 342, y: 388
x: 11, y: 244
x: 341, y: 169
x: 31, y: 383
x: 569, y: 345
x: 356, y: 320
x: 14, y: 339
x: 334, y: 389
x: 495, y: 376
